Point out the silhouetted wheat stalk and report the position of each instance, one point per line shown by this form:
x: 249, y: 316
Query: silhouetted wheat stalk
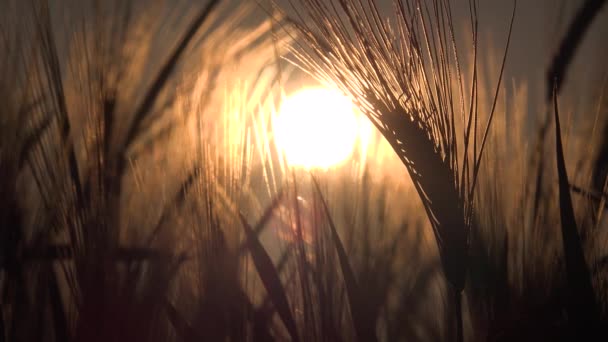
x: 570, y: 42
x: 405, y: 76
x: 582, y: 303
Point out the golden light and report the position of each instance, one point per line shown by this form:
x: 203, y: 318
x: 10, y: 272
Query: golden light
x: 319, y: 128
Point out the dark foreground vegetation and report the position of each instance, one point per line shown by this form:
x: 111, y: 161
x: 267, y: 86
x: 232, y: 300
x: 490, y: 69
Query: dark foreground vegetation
x: 142, y: 199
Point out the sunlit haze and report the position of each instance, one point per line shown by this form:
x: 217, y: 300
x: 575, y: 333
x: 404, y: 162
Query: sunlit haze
x: 318, y: 128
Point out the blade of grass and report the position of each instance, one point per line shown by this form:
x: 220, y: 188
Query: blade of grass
x: 582, y: 304
x: 364, y: 328
x: 270, y: 278
x: 591, y: 194
x: 259, y: 227
x: 32, y: 139
x: 166, y: 70
x: 177, y: 201
x: 280, y: 267
x: 56, y: 83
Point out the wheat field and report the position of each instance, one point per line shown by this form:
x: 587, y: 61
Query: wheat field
x: 150, y: 191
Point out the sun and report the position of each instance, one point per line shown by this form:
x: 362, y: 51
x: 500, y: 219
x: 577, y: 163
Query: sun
x: 318, y: 128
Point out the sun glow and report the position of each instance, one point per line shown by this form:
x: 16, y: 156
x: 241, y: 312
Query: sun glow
x: 319, y: 128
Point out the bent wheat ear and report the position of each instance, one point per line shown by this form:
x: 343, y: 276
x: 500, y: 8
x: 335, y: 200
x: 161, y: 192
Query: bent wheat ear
x: 406, y: 77
x: 404, y: 88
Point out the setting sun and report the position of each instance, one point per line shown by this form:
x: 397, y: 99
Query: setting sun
x: 318, y: 128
